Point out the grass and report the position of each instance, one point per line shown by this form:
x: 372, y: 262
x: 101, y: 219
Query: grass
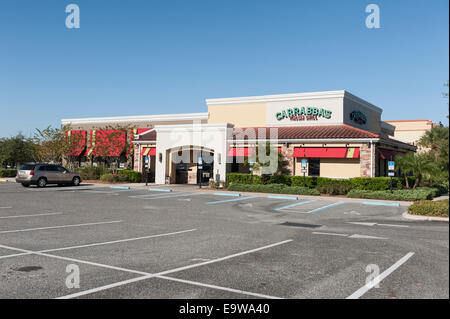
x: 429, y: 208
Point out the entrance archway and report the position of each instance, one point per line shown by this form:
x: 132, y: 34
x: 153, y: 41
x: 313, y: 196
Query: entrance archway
x: 183, y: 167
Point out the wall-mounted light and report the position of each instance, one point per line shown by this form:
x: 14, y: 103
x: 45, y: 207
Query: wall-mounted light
x: 160, y: 157
x: 219, y: 158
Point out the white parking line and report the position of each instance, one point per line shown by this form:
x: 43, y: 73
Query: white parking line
x: 54, y: 227
x: 101, y: 243
x: 154, y: 195
x: 361, y: 291
x: 6, y: 207
x: 161, y: 274
x: 330, y: 234
x: 293, y: 205
x: 173, y: 196
x: 218, y: 287
x: 19, y: 216
x: 373, y: 224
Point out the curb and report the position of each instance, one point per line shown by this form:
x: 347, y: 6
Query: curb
x: 228, y: 194
x: 160, y: 190
x: 424, y: 218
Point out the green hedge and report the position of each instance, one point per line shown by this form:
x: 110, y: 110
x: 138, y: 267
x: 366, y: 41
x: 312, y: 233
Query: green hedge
x: 93, y: 173
x: 400, y: 194
x: 133, y: 176
x: 112, y: 178
x: 429, y: 208
x: 8, y: 172
x: 324, y: 184
x: 274, y: 189
x: 242, y: 178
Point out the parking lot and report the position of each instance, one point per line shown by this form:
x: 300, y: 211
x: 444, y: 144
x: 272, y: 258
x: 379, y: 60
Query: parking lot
x: 141, y: 243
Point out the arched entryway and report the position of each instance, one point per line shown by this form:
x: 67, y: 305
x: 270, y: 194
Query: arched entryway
x: 183, y: 165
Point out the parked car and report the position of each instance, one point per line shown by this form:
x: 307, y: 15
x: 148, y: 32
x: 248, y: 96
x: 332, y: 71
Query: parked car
x: 43, y: 174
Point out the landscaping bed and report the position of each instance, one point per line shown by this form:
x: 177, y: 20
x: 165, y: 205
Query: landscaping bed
x: 357, y: 187
x: 400, y: 194
x: 430, y: 208
x: 8, y: 172
x: 274, y: 189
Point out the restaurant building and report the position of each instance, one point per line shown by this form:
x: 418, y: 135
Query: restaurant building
x: 339, y: 134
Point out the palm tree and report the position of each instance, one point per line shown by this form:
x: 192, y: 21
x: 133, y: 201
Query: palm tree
x: 419, y: 164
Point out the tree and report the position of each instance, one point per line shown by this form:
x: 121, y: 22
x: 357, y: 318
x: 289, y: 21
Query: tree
x: 445, y: 94
x: 421, y: 165
x: 110, y: 142
x: 51, y: 144
x: 263, y: 164
x: 15, y: 151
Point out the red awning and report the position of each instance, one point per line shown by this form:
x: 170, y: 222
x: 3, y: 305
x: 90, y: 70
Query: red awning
x: 327, y: 152
x: 148, y: 151
x: 241, y: 151
x: 77, y: 140
x: 107, y: 143
x: 386, y: 154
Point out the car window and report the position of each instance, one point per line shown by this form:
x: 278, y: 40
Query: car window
x: 27, y: 167
x: 52, y: 168
x: 61, y: 169
x: 43, y: 168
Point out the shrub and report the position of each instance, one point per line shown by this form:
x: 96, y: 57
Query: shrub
x: 334, y: 189
x: 311, y: 182
x: 376, y: 183
x: 243, y: 178
x: 111, y: 178
x: 401, y: 194
x: 429, y: 208
x: 280, y: 179
x: 273, y: 188
x: 8, y: 172
x: 326, y: 185
x: 93, y: 172
x: 133, y: 176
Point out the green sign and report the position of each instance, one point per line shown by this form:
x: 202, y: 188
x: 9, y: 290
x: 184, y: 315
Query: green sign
x: 303, y: 113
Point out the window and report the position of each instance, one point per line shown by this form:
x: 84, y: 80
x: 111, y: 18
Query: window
x: 61, y: 169
x: 27, y: 167
x: 314, y: 167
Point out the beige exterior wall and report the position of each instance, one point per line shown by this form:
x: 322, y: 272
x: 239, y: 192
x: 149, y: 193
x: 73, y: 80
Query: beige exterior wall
x: 130, y: 125
x: 339, y: 167
x: 333, y: 167
x: 411, y: 131
x: 241, y: 115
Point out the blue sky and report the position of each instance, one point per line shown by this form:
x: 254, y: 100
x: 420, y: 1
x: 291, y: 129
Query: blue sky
x: 154, y: 57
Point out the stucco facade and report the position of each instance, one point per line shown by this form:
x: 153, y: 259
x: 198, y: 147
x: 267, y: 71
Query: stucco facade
x: 339, y: 134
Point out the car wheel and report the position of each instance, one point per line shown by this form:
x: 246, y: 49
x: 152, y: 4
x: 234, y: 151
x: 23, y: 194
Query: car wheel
x: 76, y: 181
x: 25, y: 185
x: 42, y: 182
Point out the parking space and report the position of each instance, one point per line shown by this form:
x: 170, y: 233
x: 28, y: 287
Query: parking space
x: 141, y: 243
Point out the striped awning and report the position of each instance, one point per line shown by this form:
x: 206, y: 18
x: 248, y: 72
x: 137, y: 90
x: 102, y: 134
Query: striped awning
x: 148, y: 151
x: 241, y: 151
x: 77, y: 141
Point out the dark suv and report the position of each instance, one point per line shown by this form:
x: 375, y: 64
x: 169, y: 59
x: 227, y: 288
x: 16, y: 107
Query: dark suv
x: 43, y: 174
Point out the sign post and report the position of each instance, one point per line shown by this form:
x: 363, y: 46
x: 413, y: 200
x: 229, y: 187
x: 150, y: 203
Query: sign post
x: 146, y: 170
x: 391, y: 171
x: 304, y: 165
x: 200, y: 170
x: 251, y: 163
